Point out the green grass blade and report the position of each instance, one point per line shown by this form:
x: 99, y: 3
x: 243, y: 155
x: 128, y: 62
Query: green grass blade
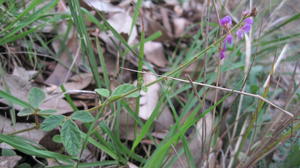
x: 14, y: 100
x: 76, y: 13
x: 93, y: 164
x: 135, y: 14
x: 160, y: 153
x: 22, y: 145
x: 103, y: 65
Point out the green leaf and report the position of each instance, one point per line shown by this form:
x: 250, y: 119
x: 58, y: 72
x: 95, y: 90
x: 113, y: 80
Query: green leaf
x: 52, y: 122
x: 8, y: 152
x: 122, y: 89
x: 48, y: 111
x: 57, y: 139
x: 36, y: 97
x: 25, y: 112
x: 103, y: 92
x: 71, y: 138
x: 83, y: 116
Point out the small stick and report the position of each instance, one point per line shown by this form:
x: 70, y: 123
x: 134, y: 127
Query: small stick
x: 221, y: 88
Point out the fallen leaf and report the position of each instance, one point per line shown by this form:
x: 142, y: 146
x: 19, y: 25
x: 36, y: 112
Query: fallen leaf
x: 6, y: 127
x: 103, y: 6
x: 79, y: 81
x: 70, y: 55
x: 121, y: 22
x: 179, y: 26
x: 164, y: 121
x: 9, y: 161
x: 154, y: 53
x: 149, y: 98
x: 20, y: 88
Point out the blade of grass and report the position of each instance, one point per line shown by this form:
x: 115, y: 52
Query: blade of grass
x: 160, y: 153
x: 76, y: 13
x: 31, y: 6
x: 14, y: 100
x: 103, y: 65
x: 22, y: 145
x: 135, y: 15
x: 92, y: 164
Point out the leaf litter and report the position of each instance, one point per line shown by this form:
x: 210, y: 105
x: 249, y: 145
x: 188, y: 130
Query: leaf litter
x: 171, y: 19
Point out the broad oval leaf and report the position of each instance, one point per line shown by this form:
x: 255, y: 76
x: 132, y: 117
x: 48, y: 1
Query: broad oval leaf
x: 102, y: 92
x: 122, y: 89
x: 83, y: 116
x: 36, y: 96
x: 52, y: 122
x: 25, y: 112
x: 71, y: 139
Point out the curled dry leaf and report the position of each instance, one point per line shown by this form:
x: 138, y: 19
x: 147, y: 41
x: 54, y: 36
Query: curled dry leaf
x: 149, y: 98
x: 154, y: 52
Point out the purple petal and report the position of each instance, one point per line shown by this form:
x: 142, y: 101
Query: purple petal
x: 228, y: 39
x: 246, y: 28
x: 240, y: 33
x: 222, y: 54
x: 249, y: 20
x: 226, y: 21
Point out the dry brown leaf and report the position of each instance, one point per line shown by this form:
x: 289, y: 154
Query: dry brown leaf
x: 121, y: 22
x: 164, y: 121
x: 179, y: 26
x: 149, y: 98
x: 19, y: 87
x: 154, y: 52
x: 153, y: 26
x: 6, y: 127
x: 70, y: 56
x: 59, y: 104
x: 200, y: 138
x: 79, y: 81
x: 127, y: 126
x: 103, y: 6
x: 9, y: 161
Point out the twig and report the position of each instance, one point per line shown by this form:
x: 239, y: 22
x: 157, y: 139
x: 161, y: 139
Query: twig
x: 221, y: 88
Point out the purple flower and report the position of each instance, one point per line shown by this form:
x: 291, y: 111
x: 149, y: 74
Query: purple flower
x: 246, y: 28
x: 228, y: 39
x: 240, y: 33
x: 222, y: 53
x: 226, y: 21
x: 248, y: 20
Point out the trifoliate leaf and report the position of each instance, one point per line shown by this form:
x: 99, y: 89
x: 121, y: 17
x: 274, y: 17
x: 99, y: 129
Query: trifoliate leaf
x: 70, y: 136
x: 83, y: 116
x: 122, y: 89
x: 52, y: 122
x: 36, y: 96
x: 102, y: 92
x: 25, y: 112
